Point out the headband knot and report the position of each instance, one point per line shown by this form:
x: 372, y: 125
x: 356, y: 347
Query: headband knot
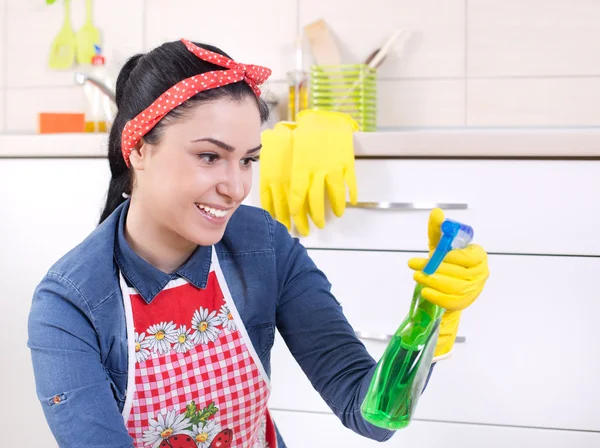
x: 253, y: 75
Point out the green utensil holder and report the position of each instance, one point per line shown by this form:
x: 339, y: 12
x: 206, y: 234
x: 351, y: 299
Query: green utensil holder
x: 348, y: 88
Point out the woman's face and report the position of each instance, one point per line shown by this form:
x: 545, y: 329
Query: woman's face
x: 190, y: 183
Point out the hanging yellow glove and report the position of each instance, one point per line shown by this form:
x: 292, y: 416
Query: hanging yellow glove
x: 323, y: 160
x: 275, y: 169
x: 454, y: 286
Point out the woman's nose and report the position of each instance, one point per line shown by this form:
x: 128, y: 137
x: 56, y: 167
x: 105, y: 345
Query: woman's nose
x: 233, y: 185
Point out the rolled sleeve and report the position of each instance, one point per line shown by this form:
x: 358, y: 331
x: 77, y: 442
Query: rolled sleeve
x: 72, y: 385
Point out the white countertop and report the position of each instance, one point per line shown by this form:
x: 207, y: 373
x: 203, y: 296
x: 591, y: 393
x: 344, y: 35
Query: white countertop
x: 465, y: 142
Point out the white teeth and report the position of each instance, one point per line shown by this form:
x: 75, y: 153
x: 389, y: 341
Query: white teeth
x: 213, y: 211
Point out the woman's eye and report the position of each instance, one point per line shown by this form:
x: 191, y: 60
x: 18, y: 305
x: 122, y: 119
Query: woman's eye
x: 249, y: 161
x: 209, y: 157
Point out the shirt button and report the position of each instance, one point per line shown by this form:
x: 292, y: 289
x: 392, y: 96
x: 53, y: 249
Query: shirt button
x: 56, y: 399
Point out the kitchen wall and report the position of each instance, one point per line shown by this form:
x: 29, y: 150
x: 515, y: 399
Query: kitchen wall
x: 462, y: 62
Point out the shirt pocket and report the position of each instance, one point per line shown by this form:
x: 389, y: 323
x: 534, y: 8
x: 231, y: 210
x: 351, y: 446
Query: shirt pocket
x: 262, y: 338
x: 118, y: 385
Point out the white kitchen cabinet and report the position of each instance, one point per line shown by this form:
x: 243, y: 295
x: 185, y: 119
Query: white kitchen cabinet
x: 527, y: 360
x: 300, y: 430
x: 494, y: 379
x: 47, y: 207
x: 514, y: 206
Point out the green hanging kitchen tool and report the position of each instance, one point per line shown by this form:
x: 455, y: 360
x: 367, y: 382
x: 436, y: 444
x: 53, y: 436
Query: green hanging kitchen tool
x: 88, y: 37
x: 62, y: 50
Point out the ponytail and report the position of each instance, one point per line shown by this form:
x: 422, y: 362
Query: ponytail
x: 121, y: 175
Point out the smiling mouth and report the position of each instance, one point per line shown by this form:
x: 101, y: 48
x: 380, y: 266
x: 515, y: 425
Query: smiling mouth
x: 213, y: 211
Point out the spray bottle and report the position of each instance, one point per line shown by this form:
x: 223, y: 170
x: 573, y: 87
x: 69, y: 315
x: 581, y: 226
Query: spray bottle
x: 100, y: 111
x: 402, y: 370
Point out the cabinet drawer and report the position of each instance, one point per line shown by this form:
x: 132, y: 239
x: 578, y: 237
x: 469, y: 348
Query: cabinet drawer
x: 48, y: 206
x: 514, y: 206
x: 528, y: 356
x: 300, y: 430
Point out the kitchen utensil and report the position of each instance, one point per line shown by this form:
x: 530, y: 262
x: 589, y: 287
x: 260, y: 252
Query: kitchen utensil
x: 322, y: 46
x: 62, y: 50
x: 375, y: 59
x: 87, y: 37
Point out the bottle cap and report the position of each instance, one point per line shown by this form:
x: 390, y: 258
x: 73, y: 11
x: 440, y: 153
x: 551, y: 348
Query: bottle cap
x: 98, y: 59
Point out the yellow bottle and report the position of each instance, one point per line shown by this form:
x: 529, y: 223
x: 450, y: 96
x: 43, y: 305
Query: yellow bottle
x: 95, y: 126
x: 298, y: 82
x: 98, y: 114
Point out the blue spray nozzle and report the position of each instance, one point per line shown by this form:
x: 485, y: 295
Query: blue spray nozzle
x: 454, y: 236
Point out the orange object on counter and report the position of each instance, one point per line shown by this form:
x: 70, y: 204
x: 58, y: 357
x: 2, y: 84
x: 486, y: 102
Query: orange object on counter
x: 56, y: 122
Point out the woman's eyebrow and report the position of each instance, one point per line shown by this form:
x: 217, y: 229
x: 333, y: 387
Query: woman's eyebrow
x: 224, y: 145
x: 216, y: 142
x: 250, y: 151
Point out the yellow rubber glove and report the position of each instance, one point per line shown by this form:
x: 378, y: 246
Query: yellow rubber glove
x: 275, y: 170
x: 323, y: 160
x: 454, y: 286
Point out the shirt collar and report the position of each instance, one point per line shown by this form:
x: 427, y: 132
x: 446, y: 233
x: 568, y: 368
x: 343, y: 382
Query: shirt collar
x: 147, y: 279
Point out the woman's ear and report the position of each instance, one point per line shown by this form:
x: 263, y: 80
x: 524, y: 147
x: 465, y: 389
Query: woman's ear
x: 139, y: 155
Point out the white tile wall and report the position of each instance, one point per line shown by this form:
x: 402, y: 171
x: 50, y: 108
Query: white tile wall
x: 533, y: 37
x: 516, y: 62
x: 121, y: 24
x: 2, y: 107
x: 433, y: 43
x: 24, y: 104
x: 3, y: 18
x: 31, y: 25
x: 251, y: 32
x: 27, y: 56
x: 27, y: 50
x: 534, y: 102
x: 411, y: 103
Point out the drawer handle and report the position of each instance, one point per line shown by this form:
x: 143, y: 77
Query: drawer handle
x: 370, y: 336
x: 409, y: 205
x: 382, y: 337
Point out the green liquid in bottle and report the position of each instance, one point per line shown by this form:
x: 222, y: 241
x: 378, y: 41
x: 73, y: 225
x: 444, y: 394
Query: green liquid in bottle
x: 402, y: 370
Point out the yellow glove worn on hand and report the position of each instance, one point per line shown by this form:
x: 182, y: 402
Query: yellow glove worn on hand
x: 323, y: 159
x: 275, y: 170
x: 455, y: 285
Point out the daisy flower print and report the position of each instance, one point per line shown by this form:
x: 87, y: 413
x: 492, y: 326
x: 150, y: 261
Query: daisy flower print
x: 166, y: 425
x: 204, y: 433
x: 184, y: 340
x: 227, y: 318
x: 141, y: 347
x: 161, y: 336
x: 205, y: 326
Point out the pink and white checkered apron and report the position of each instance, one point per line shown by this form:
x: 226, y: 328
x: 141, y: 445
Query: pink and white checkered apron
x: 195, y: 380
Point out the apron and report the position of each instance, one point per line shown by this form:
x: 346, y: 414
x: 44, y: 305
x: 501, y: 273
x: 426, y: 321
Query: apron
x: 194, y: 380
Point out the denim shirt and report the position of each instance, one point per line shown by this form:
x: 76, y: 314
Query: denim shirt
x: 78, y: 336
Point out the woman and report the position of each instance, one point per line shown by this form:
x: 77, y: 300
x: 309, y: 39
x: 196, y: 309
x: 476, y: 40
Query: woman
x: 156, y: 330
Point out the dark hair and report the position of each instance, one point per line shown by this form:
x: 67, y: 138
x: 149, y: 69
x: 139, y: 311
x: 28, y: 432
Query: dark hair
x: 145, y: 77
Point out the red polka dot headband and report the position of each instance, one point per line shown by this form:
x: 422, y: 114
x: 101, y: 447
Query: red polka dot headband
x: 253, y: 75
